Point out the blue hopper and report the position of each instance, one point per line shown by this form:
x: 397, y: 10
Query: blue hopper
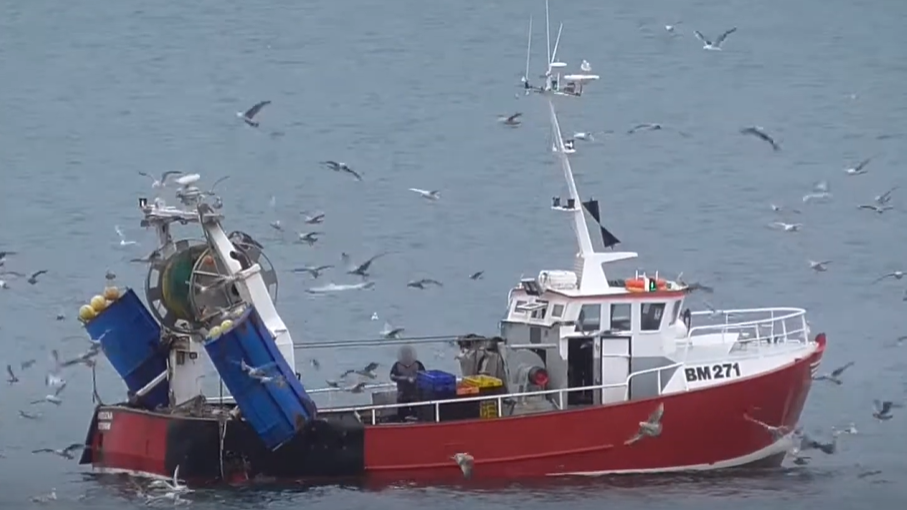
x: 131, y: 340
x: 275, y: 408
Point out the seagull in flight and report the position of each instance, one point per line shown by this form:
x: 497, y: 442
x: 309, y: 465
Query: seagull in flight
x: 882, y: 410
x: 11, y: 376
x: 161, y: 182
x: 339, y: 166
x: 835, y: 375
x: 428, y: 195
x: 123, y: 240
x: 897, y: 275
x: 33, y: 279
x: 776, y: 432
x: 860, y: 169
x: 310, y: 238
x: 649, y: 428
x: 585, y: 66
x: 819, y: 266
x: 390, y: 332
x: 820, y: 191
x: 248, y: 116
x: 884, y: 198
x: 713, y: 46
x: 53, y: 398
x: 466, y: 462
x: 314, y: 219
x: 315, y: 271
x: 420, y: 284
x: 257, y: 372
x: 511, y: 120
x: 759, y: 133
x: 361, y: 269
x: 878, y: 209
x: 477, y: 275
x: 66, y: 453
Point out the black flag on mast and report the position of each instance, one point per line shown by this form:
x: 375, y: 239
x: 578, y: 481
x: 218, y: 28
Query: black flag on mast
x: 609, y: 240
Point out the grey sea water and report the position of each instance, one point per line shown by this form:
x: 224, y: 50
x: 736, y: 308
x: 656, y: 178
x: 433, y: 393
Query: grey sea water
x: 408, y: 93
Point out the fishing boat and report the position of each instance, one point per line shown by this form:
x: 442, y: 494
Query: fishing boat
x: 588, y: 374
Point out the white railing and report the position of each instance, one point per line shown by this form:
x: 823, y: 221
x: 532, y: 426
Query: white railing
x: 753, y: 326
x: 372, y: 410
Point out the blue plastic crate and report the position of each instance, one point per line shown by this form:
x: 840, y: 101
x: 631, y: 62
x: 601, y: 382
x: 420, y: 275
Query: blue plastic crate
x: 131, y: 340
x: 437, y: 382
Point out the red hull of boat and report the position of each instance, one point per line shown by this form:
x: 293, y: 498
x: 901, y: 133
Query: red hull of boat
x: 702, y: 429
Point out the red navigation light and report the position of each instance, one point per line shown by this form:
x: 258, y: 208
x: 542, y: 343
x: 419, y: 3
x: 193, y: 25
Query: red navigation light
x: 538, y: 376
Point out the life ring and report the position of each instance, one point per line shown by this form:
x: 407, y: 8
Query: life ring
x: 640, y: 284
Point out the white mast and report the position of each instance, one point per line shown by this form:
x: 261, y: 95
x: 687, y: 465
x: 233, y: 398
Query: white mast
x: 591, y: 274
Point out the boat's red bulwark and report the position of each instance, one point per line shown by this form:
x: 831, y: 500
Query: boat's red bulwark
x: 702, y: 429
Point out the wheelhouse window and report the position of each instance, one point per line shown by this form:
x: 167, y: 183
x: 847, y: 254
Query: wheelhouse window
x: 539, y: 310
x: 557, y: 311
x: 650, y: 318
x: 518, y: 308
x: 621, y: 317
x: 675, y: 313
x: 590, y: 318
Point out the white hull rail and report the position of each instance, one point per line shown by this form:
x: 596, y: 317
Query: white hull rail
x: 751, y: 328
x: 374, y: 411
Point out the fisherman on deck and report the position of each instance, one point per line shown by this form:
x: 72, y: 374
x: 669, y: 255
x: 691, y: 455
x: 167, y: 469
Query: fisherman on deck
x: 404, y: 373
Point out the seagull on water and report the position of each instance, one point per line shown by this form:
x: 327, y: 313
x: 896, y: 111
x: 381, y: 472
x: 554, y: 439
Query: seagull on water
x: 173, y: 489
x: 670, y: 28
x: 248, y: 116
x: 339, y: 166
x: 713, y: 46
x: 758, y: 132
x: 878, y: 209
x: 477, y: 275
x: 646, y: 126
x: 777, y: 208
x: 161, y: 182
x: 123, y: 241
x: 835, y: 375
x: 66, y: 453
x: 860, y: 169
x: 787, y: 227
x: 819, y: 266
x: 428, y: 195
x: 466, y: 462
x: 651, y: 427
x: 897, y: 275
x: 511, y: 120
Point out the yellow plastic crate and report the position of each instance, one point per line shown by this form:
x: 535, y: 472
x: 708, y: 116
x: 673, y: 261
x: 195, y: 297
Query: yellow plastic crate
x: 483, y: 381
x: 488, y: 409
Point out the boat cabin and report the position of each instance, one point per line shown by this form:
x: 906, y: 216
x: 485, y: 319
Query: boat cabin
x: 598, y: 339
